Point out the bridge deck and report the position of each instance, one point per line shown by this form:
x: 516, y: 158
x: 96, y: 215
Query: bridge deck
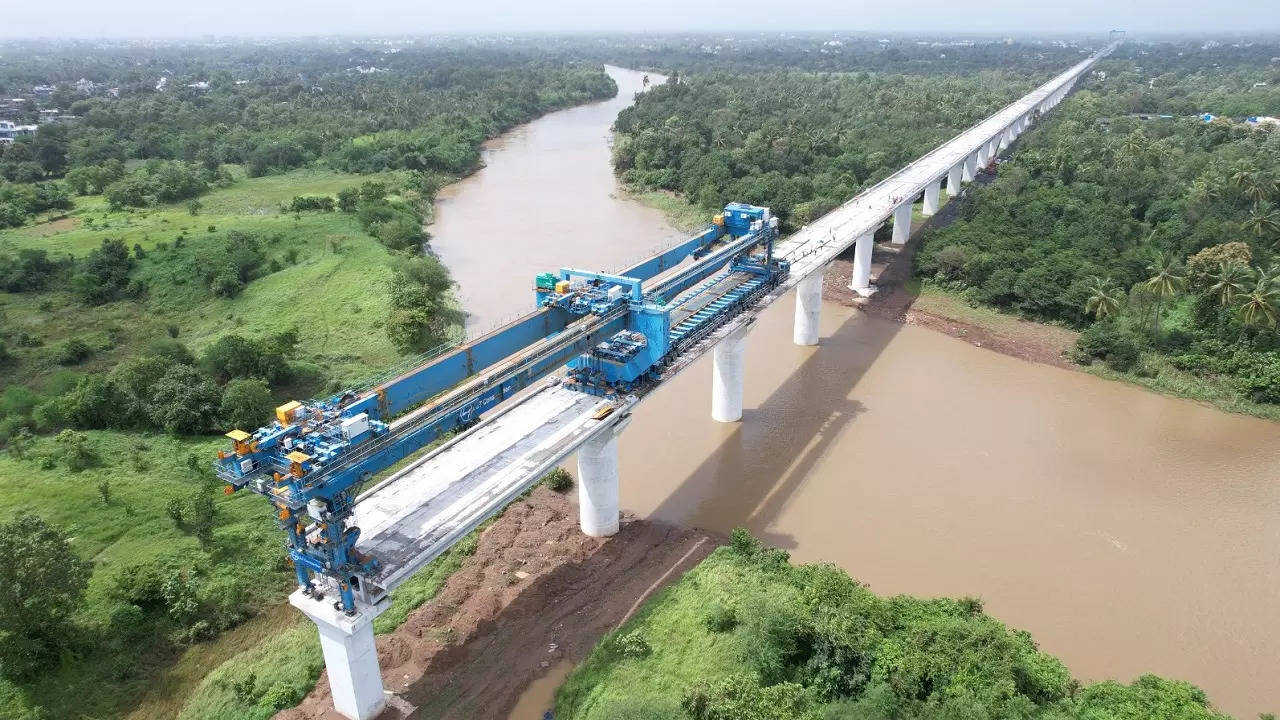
x: 413, y: 516
x: 417, y: 513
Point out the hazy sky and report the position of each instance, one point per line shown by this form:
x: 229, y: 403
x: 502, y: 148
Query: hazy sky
x: 148, y: 18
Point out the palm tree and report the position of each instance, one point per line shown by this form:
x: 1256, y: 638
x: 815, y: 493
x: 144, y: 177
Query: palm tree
x: 1264, y: 221
x: 1165, y: 282
x: 1105, y: 298
x: 1228, y: 282
x: 1243, y: 175
x: 1258, y: 308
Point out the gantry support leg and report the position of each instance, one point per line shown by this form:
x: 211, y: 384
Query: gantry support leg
x: 350, y: 655
x: 598, y: 478
x: 860, y: 279
x: 808, y: 308
x: 727, y: 377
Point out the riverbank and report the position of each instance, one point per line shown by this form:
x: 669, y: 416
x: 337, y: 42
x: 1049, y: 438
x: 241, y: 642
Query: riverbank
x: 902, y: 298
x: 536, y: 594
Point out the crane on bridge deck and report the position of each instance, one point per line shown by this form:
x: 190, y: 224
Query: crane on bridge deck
x: 615, y: 334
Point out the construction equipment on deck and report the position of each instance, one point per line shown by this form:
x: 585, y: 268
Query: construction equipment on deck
x: 615, y: 335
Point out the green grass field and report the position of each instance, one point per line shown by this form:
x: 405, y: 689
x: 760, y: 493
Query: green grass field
x: 331, y: 285
x: 335, y: 293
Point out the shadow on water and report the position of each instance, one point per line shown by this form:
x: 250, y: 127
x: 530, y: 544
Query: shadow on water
x: 766, y: 458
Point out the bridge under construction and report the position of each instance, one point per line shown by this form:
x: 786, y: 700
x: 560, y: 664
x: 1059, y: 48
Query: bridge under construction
x: 514, y: 403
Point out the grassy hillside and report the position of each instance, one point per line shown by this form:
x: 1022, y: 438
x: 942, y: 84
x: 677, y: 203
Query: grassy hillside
x: 323, y: 275
x: 333, y: 291
x: 747, y: 636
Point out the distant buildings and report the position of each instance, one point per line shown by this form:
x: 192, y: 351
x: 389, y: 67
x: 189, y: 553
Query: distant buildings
x: 9, y: 131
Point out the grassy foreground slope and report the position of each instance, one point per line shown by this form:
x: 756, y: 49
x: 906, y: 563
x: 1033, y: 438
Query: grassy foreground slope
x: 747, y: 636
x: 124, y: 510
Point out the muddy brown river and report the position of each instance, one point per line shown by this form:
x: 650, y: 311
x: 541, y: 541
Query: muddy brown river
x: 1129, y: 532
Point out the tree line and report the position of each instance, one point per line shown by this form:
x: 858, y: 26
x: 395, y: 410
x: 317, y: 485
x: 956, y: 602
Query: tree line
x: 1155, y: 235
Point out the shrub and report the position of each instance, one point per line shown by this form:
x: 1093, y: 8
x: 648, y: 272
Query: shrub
x: 29, y: 270
x: 305, y: 203
x: 184, y: 401
x: 233, y: 356
x: 72, y: 351
x: 721, y: 618
x: 36, y: 615
x: 558, y: 480
x: 632, y: 645
x: 1108, y: 341
x: 104, y: 273
x: 246, y: 403
x: 75, y: 450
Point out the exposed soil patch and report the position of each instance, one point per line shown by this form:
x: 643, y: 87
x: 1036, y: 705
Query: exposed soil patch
x: 53, y: 227
x: 536, y: 592
x: 891, y: 267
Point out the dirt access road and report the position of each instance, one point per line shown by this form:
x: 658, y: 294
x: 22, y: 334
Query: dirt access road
x: 535, y: 593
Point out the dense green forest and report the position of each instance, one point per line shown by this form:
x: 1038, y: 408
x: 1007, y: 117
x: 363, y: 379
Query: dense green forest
x: 1156, y: 235
x: 747, y: 636
x: 798, y: 142
x: 182, y: 256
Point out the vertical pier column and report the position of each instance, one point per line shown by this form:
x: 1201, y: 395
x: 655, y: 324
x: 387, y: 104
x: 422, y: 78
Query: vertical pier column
x: 860, y: 280
x: 350, y: 655
x: 727, y: 377
x: 931, y: 192
x: 993, y: 146
x: 1007, y: 137
x: 902, y: 223
x: 970, y: 168
x: 808, y: 308
x: 981, y: 158
x: 598, y: 478
x: 954, y: 176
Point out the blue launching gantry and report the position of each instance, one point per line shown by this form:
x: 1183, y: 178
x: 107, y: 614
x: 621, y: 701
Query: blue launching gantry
x: 615, y: 336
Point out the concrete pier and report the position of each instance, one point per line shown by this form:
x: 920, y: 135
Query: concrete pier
x: 350, y: 655
x: 970, y: 167
x: 598, y: 478
x: 902, y: 223
x: 860, y: 280
x: 727, y: 372
x: 931, y: 192
x: 954, y: 177
x: 808, y: 308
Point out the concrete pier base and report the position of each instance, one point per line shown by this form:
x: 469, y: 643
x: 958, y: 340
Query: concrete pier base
x: 727, y: 375
x: 902, y: 223
x: 931, y: 193
x: 808, y: 308
x: 860, y: 280
x: 598, y: 483
x: 350, y: 655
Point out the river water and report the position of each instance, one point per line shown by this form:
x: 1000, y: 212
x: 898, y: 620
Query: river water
x: 1129, y: 532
